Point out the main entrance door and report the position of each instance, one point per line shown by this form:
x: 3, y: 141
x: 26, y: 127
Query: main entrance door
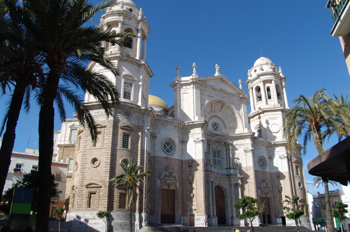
x: 220, y: 205
x: 266, y: 211
x: 167, y: 206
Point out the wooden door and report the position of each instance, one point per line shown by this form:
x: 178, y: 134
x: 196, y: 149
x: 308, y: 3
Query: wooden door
x: 167, y: 206
x: 266, y: 210
x: 220, y: 205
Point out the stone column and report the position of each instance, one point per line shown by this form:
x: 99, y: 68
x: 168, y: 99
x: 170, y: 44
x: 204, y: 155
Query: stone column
x: 274, y: 94
x: 240, y: 197
x: 119, y: 30
x: 138, y: 50
x: 263, y: 93
x: 210, y: 199
x: 252, y: 102
x: 285, y: 95
x: 144, y: 49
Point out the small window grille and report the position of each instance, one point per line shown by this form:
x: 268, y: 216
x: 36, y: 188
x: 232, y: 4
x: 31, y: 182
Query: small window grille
x: 215, y: 126
x: 35, y: 167
x: 168, y: 147
x: 58, y: 177
x: 125, y: 143
x: 262, y: 162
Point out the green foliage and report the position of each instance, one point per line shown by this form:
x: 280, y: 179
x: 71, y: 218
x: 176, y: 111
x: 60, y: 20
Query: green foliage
x: 58, y: 213
x: 103, y: 214
x: 30, y: 180
x: 318, y: 181
x: 340, y: 210
x: 293, y: 209
x: 249, y: 207
x: 131, y: 178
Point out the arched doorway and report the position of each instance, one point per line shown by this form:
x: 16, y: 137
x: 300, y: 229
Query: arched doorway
x: 220, y: 205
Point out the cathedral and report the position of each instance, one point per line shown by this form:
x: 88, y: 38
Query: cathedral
x: 205, y: 151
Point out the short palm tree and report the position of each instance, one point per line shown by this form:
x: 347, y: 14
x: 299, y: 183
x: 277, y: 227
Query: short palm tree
x: 309, y: 117
x: 131, y: 180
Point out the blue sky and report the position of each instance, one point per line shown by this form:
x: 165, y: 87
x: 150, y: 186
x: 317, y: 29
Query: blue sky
x: 232, y: 34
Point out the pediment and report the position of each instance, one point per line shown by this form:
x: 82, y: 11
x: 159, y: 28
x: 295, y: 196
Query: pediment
x: 93, y: 185
x: 127, y: 127
x: 222, y: 83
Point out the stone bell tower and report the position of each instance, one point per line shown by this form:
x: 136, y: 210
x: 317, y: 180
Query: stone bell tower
x: 268, y: 99
x: 134, y: 72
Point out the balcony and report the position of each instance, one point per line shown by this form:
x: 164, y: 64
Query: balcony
x: 17, y: 170
x: 340, y: 14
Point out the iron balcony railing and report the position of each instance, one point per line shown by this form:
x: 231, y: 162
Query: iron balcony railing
x: 336, y: 10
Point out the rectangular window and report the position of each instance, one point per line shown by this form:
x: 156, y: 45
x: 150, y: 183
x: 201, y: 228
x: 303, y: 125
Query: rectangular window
x: 297, y: 170
x: 122, y: 201
x: 18, y: 168
x: 70, y: 165
x: 127, y: 90
x: 35, y: 167
x: 217, y: 158
x: 58, y: 177
x: 73, y: 135
x: 97, y: 142
x: 125, y: 141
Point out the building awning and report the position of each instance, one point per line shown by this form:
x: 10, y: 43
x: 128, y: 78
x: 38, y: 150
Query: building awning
x: 334, y: 163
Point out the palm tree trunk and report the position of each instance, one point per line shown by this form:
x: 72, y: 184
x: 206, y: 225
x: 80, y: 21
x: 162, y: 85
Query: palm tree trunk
x: 330, y: 224
x: 46, y: 129
x: 10, y: 133
x: 130, y: 219
x: 296, y: 223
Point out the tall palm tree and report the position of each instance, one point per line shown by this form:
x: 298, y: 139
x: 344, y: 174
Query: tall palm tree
x: 318, y: 181
x: 59, y: 26
x: 340, y: 109
x: 131, y: 180
x: 21, y: 67
x: 309, y: 117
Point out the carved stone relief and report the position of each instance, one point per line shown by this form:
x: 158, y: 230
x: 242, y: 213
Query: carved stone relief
x: 168, y: 179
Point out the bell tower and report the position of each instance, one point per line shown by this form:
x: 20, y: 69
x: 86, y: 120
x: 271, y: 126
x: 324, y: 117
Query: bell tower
x: 268, y: 99
x: 134, y: 72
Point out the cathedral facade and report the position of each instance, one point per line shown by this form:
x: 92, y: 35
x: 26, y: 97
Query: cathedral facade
x: 205, y: 151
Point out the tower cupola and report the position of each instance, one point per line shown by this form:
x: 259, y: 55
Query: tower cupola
x: 266, y: 85
x: 124, y: 16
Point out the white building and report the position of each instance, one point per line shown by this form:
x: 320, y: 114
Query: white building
x: 24, y: 163
x: 202, y: 151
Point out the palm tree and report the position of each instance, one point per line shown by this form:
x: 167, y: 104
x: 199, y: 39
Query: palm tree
x: 340, y: 108
x: 309, y: 117
x: 59, y: 26
x: 131, y: 180
x: 318, y: 181
x: 21, y: 67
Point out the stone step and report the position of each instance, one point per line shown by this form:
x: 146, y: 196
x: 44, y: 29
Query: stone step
x: 221, y: 229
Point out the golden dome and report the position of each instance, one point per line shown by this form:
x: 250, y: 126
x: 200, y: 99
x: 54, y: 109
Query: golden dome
x: 156, y: 102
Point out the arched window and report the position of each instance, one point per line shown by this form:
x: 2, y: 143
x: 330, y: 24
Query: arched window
x: 258, y: 93
x: 279, y: 92
x: 128, y: 41
x: 268, y: 91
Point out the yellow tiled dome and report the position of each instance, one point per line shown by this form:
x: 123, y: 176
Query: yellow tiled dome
x: 156, y: 102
